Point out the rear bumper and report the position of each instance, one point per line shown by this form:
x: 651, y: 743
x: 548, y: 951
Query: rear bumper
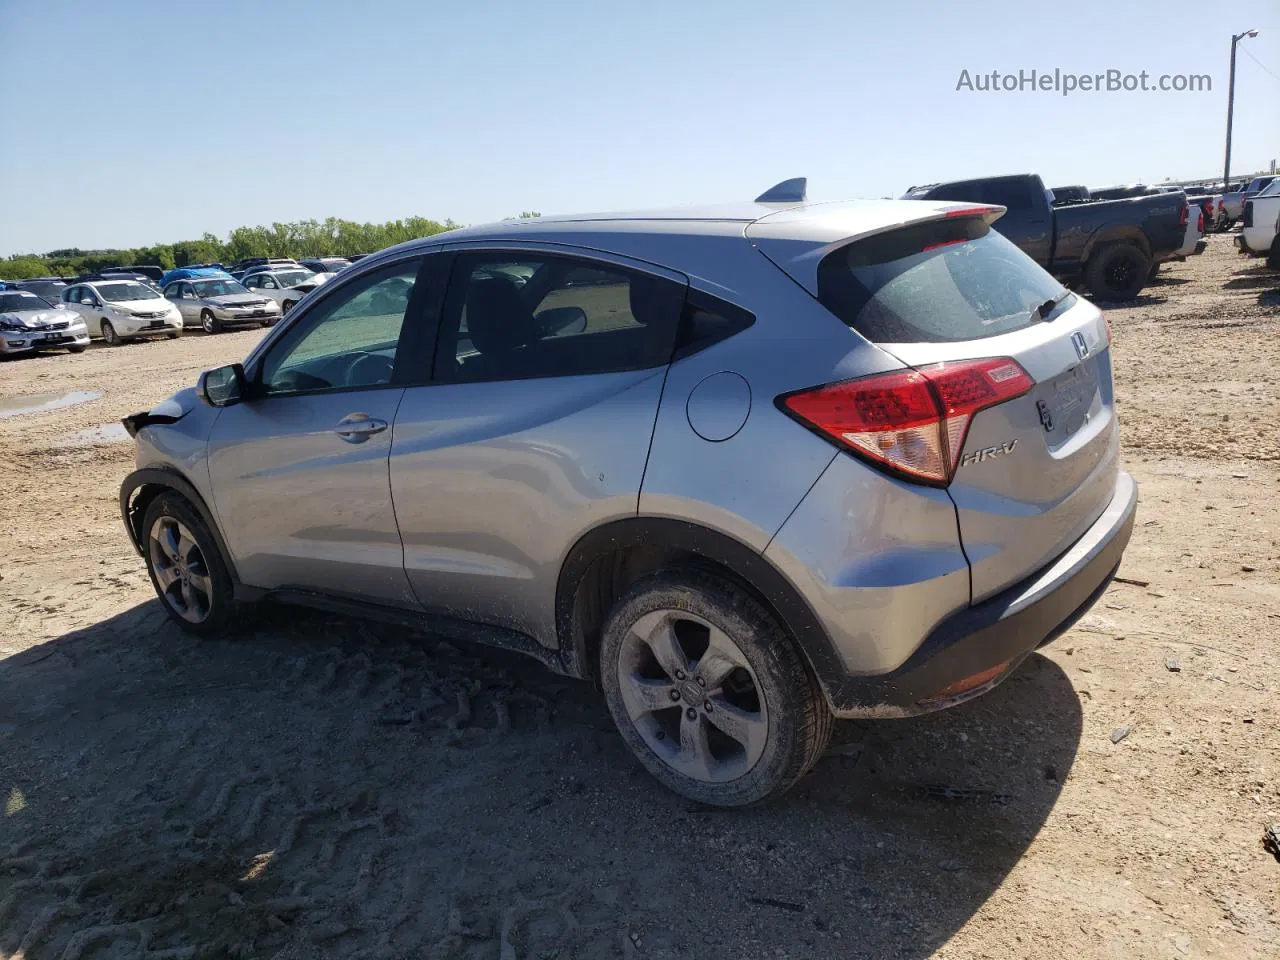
x: 971, y: 651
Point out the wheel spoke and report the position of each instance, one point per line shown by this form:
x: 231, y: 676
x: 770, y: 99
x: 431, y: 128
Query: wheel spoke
x: 662, y: 640
x: 746, y: 727
x: 203, y: 585
x: 644, y: 696
x: 185, y: 545
x: 165, y: 576
x: 720, y: 659
x: 695, y: 752
x: 189, y: 597
x: 169, y: 540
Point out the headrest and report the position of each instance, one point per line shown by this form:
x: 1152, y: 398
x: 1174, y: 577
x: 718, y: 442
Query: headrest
x: 497, y: 318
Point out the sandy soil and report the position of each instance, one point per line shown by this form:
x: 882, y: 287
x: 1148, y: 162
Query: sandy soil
x: 312, y: 789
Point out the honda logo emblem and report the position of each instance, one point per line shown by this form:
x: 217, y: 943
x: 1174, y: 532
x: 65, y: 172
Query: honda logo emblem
x: 1081, y: 345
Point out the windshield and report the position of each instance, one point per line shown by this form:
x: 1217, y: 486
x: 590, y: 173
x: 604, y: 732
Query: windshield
x: 936, y: 282
x: 117, y: 292
x: 49, y: 289
x: 11, y: 302
x: 1272, y: 190
x: 216, y: 288
x: 291, y: 278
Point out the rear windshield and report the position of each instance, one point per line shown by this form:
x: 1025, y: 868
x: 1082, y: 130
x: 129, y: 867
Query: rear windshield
x: 936, y: 282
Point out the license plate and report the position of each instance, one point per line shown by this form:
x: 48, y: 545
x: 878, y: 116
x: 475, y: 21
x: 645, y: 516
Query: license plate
x: 259, y: 313
x: 1073, y: 396
x: 156, y: 325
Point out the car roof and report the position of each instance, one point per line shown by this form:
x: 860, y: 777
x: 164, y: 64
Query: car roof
x: 795, y: 235
x: 834, y: 219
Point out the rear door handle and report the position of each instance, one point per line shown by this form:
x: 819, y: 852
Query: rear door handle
x: 359, y: 427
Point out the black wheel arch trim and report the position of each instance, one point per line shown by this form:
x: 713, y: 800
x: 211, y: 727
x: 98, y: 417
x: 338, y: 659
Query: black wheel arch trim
x: 169, y: 477
x: 746, y: 565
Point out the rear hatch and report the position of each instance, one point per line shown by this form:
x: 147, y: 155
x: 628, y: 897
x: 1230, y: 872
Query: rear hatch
x: 1029, y: 474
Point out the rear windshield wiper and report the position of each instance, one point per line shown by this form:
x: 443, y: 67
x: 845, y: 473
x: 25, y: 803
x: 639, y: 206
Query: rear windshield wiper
x: 1045, y: 309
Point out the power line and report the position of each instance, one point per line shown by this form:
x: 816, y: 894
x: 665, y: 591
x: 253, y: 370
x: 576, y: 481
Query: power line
x: 1246, y: 52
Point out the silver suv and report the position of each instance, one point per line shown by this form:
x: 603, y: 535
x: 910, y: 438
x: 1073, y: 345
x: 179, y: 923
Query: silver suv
x: 747, y: 468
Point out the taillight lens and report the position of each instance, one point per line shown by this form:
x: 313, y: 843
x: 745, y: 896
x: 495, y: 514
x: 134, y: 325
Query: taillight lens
x: 1200, y: 223
x: 1222, y: 206
x: 1185, y: 215
x: 911, y: 423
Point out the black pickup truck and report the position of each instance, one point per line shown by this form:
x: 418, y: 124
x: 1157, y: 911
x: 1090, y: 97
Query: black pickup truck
x: 1110, y: 245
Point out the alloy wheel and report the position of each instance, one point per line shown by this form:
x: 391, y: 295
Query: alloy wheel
x: 180, y: 569
x: 692, y: 696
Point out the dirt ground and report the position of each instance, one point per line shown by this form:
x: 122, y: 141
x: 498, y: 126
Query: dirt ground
x: 311, y: 789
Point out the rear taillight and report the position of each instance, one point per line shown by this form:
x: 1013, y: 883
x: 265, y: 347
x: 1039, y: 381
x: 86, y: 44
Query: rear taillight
x: 1248, y: 213
x: 1222, y: 206
x: 1185, y: 215
x: 1200, y: 223
x: 911, y: 423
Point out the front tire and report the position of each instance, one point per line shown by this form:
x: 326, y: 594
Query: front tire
x: 1117, y: 272
x: 209, y: 322
x: 287, y: 306
x: 185, y: 566
x: 109, y: 334
x: 709, y: 691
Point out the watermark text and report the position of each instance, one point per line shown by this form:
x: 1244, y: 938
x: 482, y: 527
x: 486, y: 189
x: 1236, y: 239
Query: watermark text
x: 1064, y: 83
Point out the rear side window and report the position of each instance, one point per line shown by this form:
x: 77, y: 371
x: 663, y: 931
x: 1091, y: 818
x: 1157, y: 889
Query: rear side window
x: 1016, y: 194
x: 941, y: 281
x: 515, y: 316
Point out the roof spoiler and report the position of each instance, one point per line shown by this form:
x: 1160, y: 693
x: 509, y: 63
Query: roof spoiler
x: 788, y: 191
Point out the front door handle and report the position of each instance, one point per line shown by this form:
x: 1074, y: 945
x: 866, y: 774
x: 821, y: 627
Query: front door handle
x: 359, y: 427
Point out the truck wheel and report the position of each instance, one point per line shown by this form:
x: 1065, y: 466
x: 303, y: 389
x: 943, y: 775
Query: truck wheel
x: 709, y: 691
x: 1151, y: 274
x: 1117, y: 272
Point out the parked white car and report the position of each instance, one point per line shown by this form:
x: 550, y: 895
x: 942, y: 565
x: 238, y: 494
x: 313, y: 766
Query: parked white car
x: 119, y: 310
x: 1260, y: 217
x: 286, y: 286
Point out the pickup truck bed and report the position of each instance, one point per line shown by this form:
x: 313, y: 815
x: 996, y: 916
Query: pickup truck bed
x: 1110, y: 245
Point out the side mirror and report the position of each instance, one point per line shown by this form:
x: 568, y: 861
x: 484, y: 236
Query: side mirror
x: 222, y: 386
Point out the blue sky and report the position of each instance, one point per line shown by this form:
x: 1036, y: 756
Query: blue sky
x: 135, y: 122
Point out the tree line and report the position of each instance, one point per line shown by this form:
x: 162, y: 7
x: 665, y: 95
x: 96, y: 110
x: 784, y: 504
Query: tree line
x: 303, y: 238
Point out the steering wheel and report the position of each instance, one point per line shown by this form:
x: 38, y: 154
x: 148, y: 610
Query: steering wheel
x: 368, y: 369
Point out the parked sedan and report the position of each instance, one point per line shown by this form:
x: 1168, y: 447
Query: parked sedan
x: 286, y: 287
x: 216, y: 303
x: 325, y: 264
x: 119, y: 310
x: 29, y: 323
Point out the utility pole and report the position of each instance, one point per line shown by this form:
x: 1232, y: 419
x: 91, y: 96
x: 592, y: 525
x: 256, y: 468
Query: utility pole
x: 1231, y: 102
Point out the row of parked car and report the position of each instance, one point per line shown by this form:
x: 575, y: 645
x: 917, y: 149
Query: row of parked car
x: 142, y: 302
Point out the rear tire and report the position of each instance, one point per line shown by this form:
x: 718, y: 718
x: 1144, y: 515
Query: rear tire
x: 748, y: 719
x: 1118, y: 271
x: 190, y: 578
x: 209, y: 322
x: 109, y: 334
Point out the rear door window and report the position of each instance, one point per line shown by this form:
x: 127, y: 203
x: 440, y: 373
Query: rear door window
x: 1016, y: 194
x: 941, y: 281
x: 515, y: 316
